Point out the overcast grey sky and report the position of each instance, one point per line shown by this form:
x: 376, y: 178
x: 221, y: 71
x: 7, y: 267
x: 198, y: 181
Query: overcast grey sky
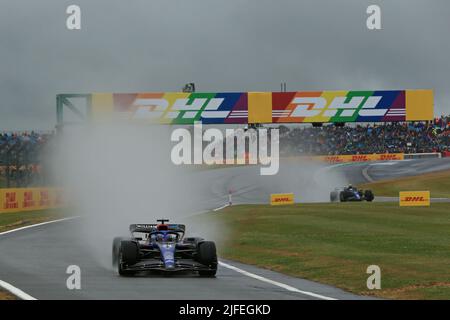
x: 226, y: 45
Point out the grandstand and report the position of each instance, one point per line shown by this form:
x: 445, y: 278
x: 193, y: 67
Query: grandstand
x: 22, y: 154
x: 395, y: 137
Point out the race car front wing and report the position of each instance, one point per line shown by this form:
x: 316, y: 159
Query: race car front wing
x: 158, y: 265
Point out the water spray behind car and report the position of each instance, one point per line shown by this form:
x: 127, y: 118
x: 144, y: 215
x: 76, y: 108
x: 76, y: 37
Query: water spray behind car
x: 116, y: 175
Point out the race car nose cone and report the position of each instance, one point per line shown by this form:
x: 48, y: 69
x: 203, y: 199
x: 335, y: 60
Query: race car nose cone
x: 170, y: 265
x: 168, y: 256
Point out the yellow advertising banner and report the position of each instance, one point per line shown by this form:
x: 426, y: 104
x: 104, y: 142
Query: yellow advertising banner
x: 414, y: 198
x: 277, y: 199
x: 360, y: 157
x: 26, y: 199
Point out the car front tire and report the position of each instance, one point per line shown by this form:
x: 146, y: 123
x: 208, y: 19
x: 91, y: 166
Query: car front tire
x: 207, y: 255
x: 128, y: 254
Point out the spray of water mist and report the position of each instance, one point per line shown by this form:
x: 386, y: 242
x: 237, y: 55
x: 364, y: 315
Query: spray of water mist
x: 117, y: 174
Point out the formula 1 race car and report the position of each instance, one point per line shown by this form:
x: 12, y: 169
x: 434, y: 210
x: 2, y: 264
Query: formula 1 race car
x: 351, y: 194
x: 162, y: 247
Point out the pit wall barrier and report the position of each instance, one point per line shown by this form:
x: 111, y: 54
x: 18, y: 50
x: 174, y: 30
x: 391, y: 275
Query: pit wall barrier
x: 28, y: 199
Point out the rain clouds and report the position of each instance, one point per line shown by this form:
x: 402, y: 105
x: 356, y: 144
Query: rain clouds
x: 238, y: 45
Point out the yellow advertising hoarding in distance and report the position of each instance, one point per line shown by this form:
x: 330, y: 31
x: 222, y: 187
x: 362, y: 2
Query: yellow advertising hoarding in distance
x: 277, y: 199
x: 26, y: 199
x: 361, y: 157
x: 414, y: 198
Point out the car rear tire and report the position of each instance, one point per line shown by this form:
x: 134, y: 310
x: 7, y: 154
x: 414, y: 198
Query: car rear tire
x: 207, y: 255
x: 333, y: 196
x: 368, y: 195
x: 115, y: 251
x: 341, y: 196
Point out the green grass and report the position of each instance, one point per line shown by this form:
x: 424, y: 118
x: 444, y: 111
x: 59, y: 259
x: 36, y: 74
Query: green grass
x: 12, y: 220
x: 335, y: 243
x: 437, y: 183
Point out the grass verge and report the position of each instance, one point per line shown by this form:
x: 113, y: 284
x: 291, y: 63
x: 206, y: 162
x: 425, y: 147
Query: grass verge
x: 438, y: 183
x: 335, y: 243
x: 13, y: 220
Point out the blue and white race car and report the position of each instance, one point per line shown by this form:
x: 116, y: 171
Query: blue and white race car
x: 350, y: 193
x: 162, y: 247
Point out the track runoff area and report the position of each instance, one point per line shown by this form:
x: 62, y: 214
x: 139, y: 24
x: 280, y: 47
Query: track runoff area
x: 405, y: 198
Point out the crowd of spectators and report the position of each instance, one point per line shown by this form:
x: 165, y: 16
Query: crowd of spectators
x: 21, y: 153
x: 412, y: 137
x: 20, y: 157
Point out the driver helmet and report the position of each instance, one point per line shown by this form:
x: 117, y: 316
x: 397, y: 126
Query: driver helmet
x: 171, y: 237
x: 159, y: 237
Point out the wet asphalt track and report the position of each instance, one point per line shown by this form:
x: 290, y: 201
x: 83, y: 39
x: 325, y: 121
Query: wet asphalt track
x: 35, y: 259
x: 310, y: 183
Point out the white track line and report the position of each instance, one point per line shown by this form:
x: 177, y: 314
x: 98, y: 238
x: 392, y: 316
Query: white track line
x: 366, y: 174
x: 275, y: 283
x: 36, y: 225
x: 16, y: 291
x: 9, y: 287
x: 383, y: 164
x: 222, y: 207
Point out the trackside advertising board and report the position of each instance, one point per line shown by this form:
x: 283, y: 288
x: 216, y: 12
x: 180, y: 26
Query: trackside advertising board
x: 26, y: 199
x: 361, y: 157
x: 263, y: 107
x: 414, y: 198
x: 277, y: 199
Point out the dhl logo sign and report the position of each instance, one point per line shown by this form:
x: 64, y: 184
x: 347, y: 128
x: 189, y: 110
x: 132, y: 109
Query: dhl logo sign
x: 388, y: 156
x: 360, y: 158
x: 332, y: 159
x: 266, y: 107
x: 28, y: 199
x: 302, y: 107
x: 281, y: 198
x: 10, y: 200
x: 414, y: 198
x: 44, y: 198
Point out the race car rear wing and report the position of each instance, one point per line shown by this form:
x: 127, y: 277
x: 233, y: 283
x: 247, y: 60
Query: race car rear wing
x: 152, y: 227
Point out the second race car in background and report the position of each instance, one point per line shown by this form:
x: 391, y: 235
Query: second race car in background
x: 350, y: 193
